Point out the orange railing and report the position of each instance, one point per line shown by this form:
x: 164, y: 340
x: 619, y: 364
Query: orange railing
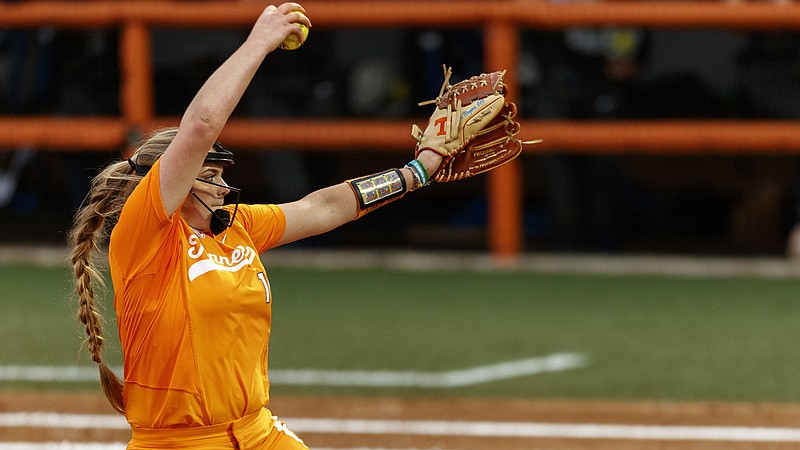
x: 500, y: 21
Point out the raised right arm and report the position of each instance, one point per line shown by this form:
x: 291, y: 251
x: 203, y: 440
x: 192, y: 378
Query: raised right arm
x: 213, y: 104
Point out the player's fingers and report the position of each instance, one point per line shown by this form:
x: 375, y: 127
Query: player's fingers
x: 294, y: 13
x: 300, y: 17
x: 288, y: 7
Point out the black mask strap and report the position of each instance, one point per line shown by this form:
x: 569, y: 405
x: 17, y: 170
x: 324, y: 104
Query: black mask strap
x: 220, y: 219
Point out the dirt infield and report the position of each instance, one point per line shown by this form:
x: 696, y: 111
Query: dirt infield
x: 672, y: 415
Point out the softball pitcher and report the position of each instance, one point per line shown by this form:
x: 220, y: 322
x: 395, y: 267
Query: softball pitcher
x: 192, y: 298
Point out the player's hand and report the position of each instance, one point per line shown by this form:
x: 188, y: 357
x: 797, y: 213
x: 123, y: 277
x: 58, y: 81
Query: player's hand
x: 277, y: 22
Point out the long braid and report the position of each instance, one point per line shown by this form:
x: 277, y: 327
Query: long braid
x: 109, y: 191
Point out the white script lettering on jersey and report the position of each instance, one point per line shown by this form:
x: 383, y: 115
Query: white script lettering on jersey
x: 241, y: 256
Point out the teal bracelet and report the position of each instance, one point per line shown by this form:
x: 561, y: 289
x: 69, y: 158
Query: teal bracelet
x: 415, y: 175
x: 418, y: 177
x: 420, y: 169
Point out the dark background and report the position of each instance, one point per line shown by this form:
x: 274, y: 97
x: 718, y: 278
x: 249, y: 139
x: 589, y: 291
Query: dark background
x: 702, y: 204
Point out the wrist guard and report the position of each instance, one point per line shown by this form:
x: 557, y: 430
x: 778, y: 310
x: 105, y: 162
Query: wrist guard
x: 378, y: 189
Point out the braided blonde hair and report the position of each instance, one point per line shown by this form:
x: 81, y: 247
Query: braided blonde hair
x: 92, y: 224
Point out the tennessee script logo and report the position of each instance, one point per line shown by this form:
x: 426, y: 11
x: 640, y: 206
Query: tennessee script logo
x: 241, y: 256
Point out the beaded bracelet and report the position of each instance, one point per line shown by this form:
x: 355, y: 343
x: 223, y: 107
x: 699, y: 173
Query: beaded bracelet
x: 420, y: 170
x: 417, y: 179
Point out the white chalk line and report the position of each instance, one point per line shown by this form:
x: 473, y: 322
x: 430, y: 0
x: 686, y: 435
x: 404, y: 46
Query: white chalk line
x: 62, y: 446
x: 122, y: 445
x: 547, y: 430
x: 456, y: 378
x: 118, y: 446
x: 449, y: 379
x: 451, y: 428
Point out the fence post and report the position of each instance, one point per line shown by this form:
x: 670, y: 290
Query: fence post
x: 504, y: 184
x: 136, y: 77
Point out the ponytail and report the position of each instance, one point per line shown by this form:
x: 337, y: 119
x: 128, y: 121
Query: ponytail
x: 93, y: 221
x: 109, y: 190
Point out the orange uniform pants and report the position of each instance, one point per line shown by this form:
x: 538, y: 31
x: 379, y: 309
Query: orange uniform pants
x: 260, y: 430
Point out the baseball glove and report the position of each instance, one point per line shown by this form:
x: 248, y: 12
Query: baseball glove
x: 472, y: 127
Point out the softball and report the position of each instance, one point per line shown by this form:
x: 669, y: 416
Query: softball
x: 292, y: 42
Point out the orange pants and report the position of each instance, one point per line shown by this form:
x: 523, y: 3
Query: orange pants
x: 260, y: 430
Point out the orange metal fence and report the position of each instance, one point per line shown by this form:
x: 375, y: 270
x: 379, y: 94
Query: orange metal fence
x: 500, y: 21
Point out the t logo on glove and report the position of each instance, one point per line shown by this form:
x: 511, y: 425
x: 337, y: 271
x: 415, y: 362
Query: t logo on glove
x: 441, y: 121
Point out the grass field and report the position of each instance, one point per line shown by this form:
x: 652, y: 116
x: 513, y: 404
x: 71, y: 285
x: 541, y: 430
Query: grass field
x: 645, y: 336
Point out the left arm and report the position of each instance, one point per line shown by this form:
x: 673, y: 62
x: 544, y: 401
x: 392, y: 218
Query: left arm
x: 318, y: 212
x: 475, y: 140
x: 331, y: 207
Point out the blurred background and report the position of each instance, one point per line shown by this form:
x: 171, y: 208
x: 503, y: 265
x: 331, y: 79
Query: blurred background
x: 659, y: 219
x: 579, y: 67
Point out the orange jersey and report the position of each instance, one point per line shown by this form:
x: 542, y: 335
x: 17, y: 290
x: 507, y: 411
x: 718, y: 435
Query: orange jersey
x: 194, y: 312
